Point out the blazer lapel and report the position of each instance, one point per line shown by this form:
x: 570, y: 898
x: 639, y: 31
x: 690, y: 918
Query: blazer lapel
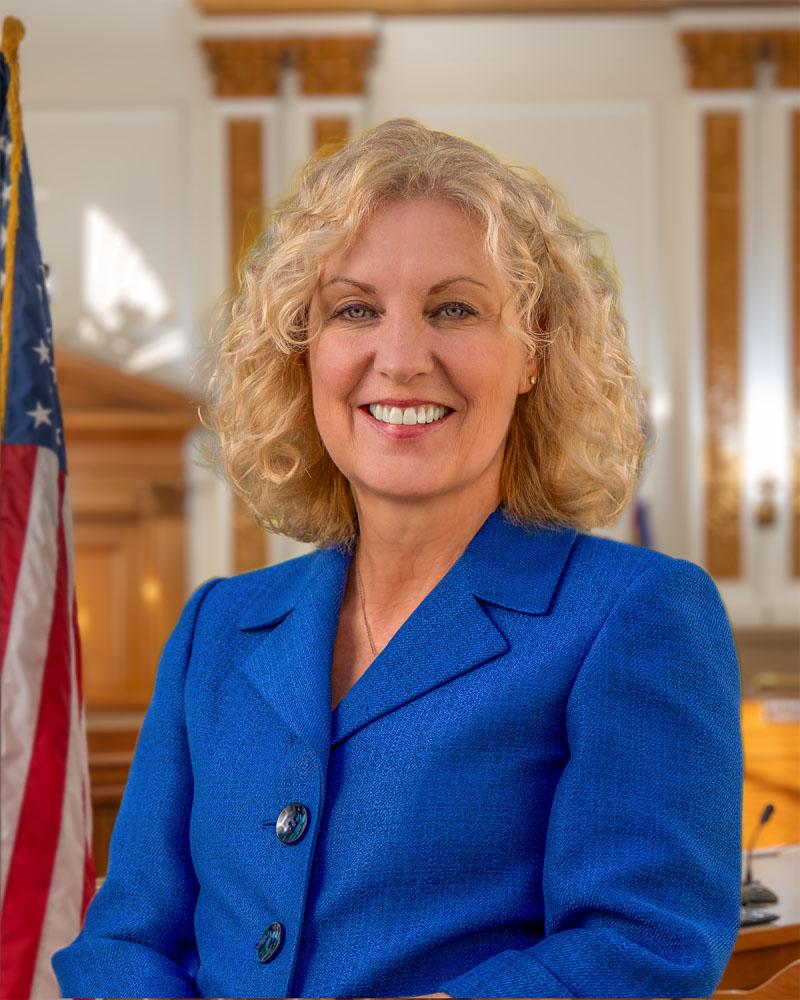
x: 293, y: 627
x: 448, y: 634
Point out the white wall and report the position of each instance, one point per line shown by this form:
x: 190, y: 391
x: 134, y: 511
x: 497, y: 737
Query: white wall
x: 123, y: 131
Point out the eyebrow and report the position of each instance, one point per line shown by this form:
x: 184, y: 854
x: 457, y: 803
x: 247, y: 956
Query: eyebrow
x: 371, y: 290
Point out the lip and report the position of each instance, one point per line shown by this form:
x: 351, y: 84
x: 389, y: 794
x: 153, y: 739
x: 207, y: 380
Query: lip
x: 402, y: 431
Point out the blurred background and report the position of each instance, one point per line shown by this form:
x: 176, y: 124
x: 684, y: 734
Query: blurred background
x: 160, y: 131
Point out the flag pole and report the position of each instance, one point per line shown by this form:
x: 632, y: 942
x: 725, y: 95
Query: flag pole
x: 13, y: 32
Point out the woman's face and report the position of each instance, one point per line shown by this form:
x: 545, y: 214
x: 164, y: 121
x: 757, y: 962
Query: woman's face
x: 415, y: 313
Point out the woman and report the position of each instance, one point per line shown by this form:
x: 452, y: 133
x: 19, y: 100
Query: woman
x: 465, y: 748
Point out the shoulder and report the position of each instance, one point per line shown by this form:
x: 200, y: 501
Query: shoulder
x: 609, y: 579
x: 640, y: 587
x: 259, y: 595
x: 623, y: 565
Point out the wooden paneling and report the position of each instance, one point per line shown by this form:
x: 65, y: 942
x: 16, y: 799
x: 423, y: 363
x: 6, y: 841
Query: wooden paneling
x: 795, y: 352
x: 124, y: 436
x: 127, y: 500
x: 250, y: 542
x: 111, y: 746
x: 723, y: 457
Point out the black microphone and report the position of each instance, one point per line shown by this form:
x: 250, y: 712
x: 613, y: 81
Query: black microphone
x: 753, y: 892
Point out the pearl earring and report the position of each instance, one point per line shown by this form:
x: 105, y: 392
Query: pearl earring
x: 533, y: 379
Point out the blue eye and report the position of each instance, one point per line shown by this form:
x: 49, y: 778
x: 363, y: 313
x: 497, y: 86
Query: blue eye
x: 353, y: 305
x: 465, y: 309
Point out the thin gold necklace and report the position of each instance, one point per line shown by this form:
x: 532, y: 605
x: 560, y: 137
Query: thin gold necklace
x: 364, y: 609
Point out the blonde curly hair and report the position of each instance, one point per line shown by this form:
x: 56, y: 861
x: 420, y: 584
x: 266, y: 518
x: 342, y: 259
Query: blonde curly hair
x: 577, y: 442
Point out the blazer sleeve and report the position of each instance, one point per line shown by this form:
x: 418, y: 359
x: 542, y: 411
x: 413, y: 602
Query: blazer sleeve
x: 138, y: 936
x: 642, y: 865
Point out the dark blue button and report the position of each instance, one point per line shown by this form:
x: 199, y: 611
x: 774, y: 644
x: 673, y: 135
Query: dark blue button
x: 269, y: 944
x: 291, y: 823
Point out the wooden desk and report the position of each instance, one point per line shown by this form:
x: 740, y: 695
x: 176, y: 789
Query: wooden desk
x: 762, y: 951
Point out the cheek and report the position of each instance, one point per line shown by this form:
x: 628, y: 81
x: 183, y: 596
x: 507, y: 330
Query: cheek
x: 489, y: 380
x: 334, y: 379
x: 331, y: 370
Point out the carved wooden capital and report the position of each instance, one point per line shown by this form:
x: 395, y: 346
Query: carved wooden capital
x: 332, y: 65
x: 722, y: 60
x: 245, y: 67
x: 784, y: 49
x: 727, y: 60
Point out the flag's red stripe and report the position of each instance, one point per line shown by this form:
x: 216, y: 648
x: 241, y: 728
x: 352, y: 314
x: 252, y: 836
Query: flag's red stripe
x: 89, y: 881
x: 36, y: 842
x: 18, y: 464
x: 76, y: 637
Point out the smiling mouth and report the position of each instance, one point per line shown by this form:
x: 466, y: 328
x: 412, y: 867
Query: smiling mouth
x: 398, y: 428
x: 410, y: 416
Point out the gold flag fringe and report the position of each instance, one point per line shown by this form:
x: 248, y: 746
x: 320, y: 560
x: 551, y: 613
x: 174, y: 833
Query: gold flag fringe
x: 13, y: 32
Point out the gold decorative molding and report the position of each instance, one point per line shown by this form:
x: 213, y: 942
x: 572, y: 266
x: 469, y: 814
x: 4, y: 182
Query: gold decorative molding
x: 245, y: 206
x: 333, y: 64
x: 245, y: 187
x: 245, y: 67
x: 461, y: 7
x: 723, y: 448
x: 728, y: 60
x: 795, y: 359
x: 330, y: 133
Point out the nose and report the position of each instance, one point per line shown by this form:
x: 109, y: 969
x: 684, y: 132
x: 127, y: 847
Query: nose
x: 404, y: 347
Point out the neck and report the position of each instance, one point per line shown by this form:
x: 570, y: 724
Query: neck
x: 404, y: 550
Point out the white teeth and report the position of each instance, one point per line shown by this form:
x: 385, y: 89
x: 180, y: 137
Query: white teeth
x: 411, y: 415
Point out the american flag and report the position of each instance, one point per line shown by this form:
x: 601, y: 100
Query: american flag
x: 48, y: 874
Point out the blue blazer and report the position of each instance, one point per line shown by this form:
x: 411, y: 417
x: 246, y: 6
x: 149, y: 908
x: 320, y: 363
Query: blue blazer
x: 533, y: 791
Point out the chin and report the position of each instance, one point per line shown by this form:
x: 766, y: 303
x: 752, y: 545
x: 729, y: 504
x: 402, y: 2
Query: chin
x: 398, y: 490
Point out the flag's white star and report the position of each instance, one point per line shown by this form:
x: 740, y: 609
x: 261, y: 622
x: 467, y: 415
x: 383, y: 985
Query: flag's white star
x: 53, y: 373
x: 40, y: 415
x: 3, y: 236
x: 6, y: 193
x: 5, y: 144
x: 58, y: 435
x: 43, y: 351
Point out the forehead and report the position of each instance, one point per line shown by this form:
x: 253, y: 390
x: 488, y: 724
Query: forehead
x: 420, y: 234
